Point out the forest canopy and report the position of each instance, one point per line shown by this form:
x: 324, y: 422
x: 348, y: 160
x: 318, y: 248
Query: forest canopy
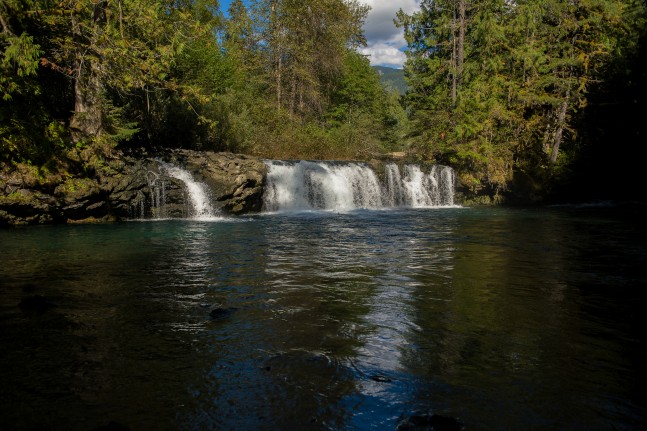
x: 499, y: 88
x: 495, y: 88
x: 281, y: 78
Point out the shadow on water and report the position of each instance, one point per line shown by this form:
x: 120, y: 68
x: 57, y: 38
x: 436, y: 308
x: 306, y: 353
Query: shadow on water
x: 505, y: 319
x: 516, y: 324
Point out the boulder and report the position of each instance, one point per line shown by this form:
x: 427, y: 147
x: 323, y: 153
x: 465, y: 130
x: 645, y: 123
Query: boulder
x: 25, y: 206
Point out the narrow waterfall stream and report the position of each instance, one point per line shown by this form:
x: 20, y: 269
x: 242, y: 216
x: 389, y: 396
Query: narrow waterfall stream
x: 198, y: 193
x: 306, y: 185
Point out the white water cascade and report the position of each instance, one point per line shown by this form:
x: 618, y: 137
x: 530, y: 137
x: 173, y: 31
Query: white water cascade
x: 304, y: 185
x: 200, y: 207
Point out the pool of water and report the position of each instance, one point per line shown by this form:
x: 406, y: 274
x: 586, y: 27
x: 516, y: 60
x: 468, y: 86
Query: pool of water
x: 505, y: 319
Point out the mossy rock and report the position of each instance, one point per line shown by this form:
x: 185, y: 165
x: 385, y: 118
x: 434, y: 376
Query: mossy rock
x: 76, y: 189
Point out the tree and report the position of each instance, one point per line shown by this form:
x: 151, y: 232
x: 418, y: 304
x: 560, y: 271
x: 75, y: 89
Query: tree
x: 495, y: 85
x: 19, y: 52
x: 282, y: 78
x: 306, y: 44
x: 27, y: 130
x: 367, y: 117
x: 116, y: 49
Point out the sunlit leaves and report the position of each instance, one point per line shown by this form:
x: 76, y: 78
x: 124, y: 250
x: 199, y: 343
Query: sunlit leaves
x: 19, y: 60
x: 529, y: 66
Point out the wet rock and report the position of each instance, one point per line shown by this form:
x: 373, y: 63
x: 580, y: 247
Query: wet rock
x: 145, y: 190
x: 25, y: 206
x: 130, y: 187
x: 429, y: 422
x: 127, y: 194
x: 36, y: 303
x: 381, y: 379
x: 235, y: 181
x: 75, y: 190
x: 222, y: 313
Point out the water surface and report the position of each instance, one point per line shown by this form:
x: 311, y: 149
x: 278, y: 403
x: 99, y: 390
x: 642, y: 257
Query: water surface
x: 505, y: 319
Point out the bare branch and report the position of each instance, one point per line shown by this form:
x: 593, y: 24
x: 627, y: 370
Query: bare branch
x: 5, y: 26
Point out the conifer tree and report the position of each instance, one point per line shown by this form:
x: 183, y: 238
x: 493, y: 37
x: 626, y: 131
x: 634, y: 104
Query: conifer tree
x: 496, y: 85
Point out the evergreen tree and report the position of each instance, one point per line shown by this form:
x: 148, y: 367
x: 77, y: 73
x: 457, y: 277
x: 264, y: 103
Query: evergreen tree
x: 366, y: 117
x: 495, y: 86
x: 28, y: 131
x: 283, y: 79
x: 306, y: 43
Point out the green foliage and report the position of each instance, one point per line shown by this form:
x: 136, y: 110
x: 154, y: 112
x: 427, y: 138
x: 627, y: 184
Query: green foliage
x: 115, y: 124
x: 18, y: 61
x: 19, y: 53
x: 496, y: 86
x: 282, y: 79
x: 393, y: 79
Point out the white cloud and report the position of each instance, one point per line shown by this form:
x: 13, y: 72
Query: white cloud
x: 382, y: 54
x: 385, y: 40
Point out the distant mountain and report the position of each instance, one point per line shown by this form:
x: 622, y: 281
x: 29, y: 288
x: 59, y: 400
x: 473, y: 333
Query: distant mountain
x: 393, y: 78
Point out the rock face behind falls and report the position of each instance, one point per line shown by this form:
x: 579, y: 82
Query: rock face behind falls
x: 235, y: 181
x: 131, y: 188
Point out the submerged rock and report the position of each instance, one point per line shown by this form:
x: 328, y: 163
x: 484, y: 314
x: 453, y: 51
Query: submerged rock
x: 429, y: 422
x: 36, y: 303
x: 112, y: 426
x: 222, y: 313
x: 381, y: 378
x: 28, y: 288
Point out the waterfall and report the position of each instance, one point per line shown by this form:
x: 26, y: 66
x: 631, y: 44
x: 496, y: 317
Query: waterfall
x: 200, y: 207
x: 157, y: 186
x: 304, y: 185
x: 301, y: 186
x: 394, y: 186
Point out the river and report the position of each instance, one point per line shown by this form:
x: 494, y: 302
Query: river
x: 505, y: 319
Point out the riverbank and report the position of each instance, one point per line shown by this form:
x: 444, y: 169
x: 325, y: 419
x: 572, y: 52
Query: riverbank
x: 202, y: 184
x: 92, y: 187
x: 89, y: 189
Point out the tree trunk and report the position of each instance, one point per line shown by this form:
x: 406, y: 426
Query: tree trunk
x: 5, y: 27
x: 559, y: 131
x: 453, y: 64
x: 87, y: 119
x: 277, y: 51
x: 293, y: 95
x: 278, y: 81
x: 458, y: 48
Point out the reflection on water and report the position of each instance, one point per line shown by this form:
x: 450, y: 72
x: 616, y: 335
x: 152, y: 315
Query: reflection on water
x: 505, y: 319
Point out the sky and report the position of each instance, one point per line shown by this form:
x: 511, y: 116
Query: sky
x: 385, y: 41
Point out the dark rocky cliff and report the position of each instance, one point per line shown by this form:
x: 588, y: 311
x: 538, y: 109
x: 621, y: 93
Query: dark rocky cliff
x: 128, y: 189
